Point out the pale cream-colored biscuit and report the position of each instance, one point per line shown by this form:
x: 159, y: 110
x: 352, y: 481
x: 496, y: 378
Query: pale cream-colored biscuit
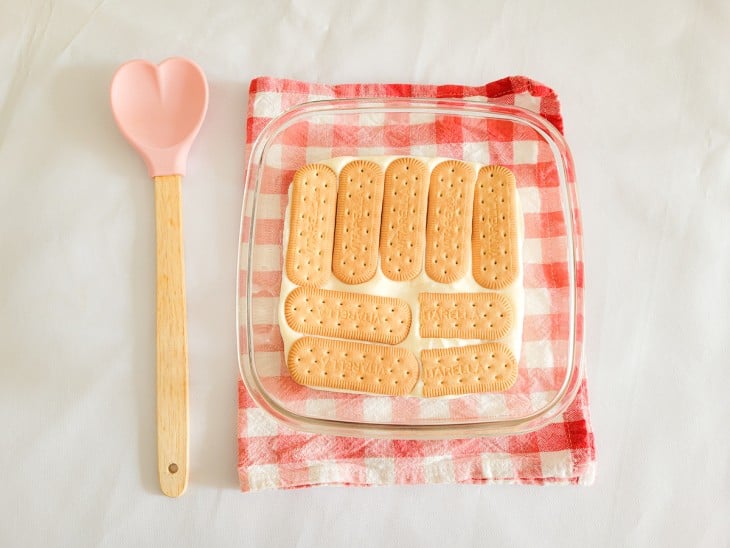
x: 311, y: 225
x: 356, y: 366
x: 347, y: 315
x: 357, y: 230
x: 465, y: 315
x: 494, y: 232
x: 488, y: 367
x: 450, y: 204
x: 404, y: 219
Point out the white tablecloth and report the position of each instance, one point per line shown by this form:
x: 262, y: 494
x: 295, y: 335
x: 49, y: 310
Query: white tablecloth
x: 644, y: 87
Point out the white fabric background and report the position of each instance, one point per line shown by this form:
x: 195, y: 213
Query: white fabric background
x: 644, y: 88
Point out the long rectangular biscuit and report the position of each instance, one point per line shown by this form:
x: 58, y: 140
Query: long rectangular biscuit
x: 347, y: 315
x: 357, y: 232
x: 356, y: 366
x: 404, y: 219
x: 450, y: 204
x: 311, y: 225
x: 488, y: 367
x: 494, y: 247
x: 465, y: 315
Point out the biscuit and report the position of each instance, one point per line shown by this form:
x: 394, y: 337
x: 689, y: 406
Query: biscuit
x: 404, y: 219
x: 311, y: 225
x: 357, y: 233
x: 494, y: 231
x: 450, y: 204
x: 465, y: 315
x: 356, y: 366
x: 347, y: 315
x: 488, y: 367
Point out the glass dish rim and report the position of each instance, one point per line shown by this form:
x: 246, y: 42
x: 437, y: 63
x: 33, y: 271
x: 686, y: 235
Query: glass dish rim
x: 435, y: 428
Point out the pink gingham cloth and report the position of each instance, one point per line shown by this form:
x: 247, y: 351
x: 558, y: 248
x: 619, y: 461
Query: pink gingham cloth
x: 271, y: 455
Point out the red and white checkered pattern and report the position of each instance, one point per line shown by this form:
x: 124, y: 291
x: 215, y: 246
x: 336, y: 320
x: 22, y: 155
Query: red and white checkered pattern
x: 274, y: 456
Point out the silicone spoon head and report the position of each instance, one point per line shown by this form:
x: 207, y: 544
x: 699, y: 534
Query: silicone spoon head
x: 159, y: 110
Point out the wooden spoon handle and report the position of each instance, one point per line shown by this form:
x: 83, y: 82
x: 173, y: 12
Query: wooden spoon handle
x: 172, y: 345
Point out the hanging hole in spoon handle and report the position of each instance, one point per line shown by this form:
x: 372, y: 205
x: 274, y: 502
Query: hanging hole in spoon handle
x: 172, y: 354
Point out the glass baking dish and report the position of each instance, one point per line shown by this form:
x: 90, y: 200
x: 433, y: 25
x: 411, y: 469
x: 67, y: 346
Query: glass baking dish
x: 550, y: 366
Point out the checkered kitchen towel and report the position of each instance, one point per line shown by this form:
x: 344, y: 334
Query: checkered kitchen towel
x: 271, y: 455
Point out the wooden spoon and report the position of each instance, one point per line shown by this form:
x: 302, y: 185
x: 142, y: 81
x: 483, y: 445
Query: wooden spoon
x: 159, y: 110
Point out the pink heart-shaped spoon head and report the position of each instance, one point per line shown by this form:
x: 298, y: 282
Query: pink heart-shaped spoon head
x: 159, y: 110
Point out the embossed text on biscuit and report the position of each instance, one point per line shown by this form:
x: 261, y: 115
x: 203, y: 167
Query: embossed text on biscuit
x: 465, y: 315
x: 487, y: 367
x: 450, y: 204
x: 356, y: 366
x: 311, y: 225
x: 494, y: 235
x: 404, y: 219
x: 348, y: 315
x: 357, y: 230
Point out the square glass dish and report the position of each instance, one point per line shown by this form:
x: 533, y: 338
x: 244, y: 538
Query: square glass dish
x: 550, y: 363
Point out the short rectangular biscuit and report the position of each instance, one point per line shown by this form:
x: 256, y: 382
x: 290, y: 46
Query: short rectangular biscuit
x: 404, y: 219
x: 450, y: 204
x: 347, y: 315
x: 465, y: 315
x: 357, y: 232
x: 488, y: 367
x: 356, y: 366
x: 494, y: 246
x: 311, y: 225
